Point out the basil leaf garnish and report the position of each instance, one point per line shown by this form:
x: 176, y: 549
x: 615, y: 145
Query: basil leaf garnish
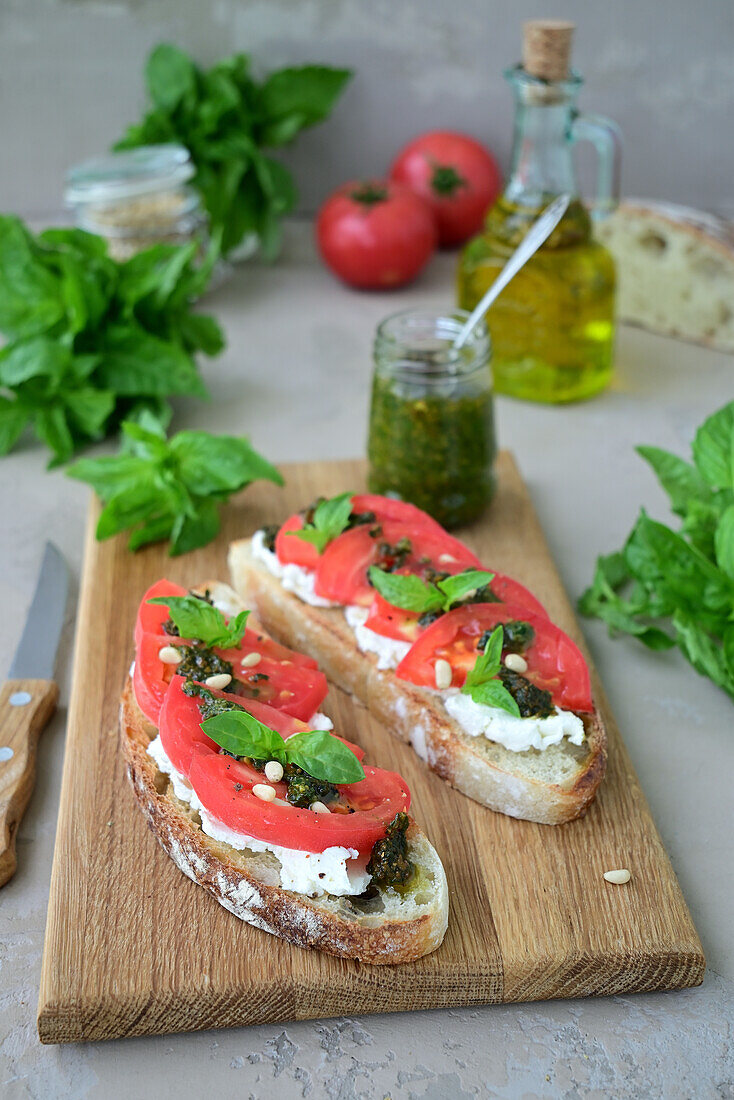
x: 240, y: 733
x: 413, y: 594
x: 196, y: 618
x: 324, y: 757
x: 481, y: 682
x: 318, y: 752
x: 329, y: 520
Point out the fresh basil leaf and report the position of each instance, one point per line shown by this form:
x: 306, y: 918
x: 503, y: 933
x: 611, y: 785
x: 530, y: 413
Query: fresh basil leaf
x: 713, y: 448
x: 487, y: 664
x: 240, y: 733
x: 88, y: 409
x: 136, y: 363
x: 681, y: 481
x: 209, y: 464
x: 705, y: 653
x: 169, y: 75
x: 140, y: 502
x: 295, y: 98
x: 199, y: 332
x: 198, y: 619
x: 154, y: 274
x: 154, y: 530
x: 329, y: 520
x: 190, y: 532
x: 110, y: 474
x: 324, y: 757
x: 456, y: 588
x: 724, y: 542
x: 39, y: 356
x: 406, y: 590
x: 493, y: 693
x: 53, y: 429
x: 30, y: 298
x: 13, y: 418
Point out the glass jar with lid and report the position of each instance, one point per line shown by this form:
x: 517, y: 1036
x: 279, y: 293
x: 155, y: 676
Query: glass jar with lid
x: 137, y: 198
x: 432, y: 438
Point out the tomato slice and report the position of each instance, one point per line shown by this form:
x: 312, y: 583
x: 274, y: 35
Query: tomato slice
x: 277, y: 679
x: 555, y: 663
x: 395, y: 622
x: 342, y: 571
x: 151, y: 616
x: 224, y: 785
x: 290, y: 549
x: 400, y: 511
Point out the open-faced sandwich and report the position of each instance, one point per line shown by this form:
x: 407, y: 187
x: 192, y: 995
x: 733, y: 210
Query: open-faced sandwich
x: 254, y: 798
x: 459, y: 660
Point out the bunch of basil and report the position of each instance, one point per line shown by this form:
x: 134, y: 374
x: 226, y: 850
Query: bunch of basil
x: 225, y: 118
x: 91, y: 342
x: 669, y: 587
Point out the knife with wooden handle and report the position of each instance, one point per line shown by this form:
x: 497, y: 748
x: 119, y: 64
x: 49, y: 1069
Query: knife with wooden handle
x: 28, y: 699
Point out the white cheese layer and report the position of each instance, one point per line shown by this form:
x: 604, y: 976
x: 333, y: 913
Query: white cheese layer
x: 338, y: 871
x: 516, y: 734
x: 390, y: 651
x: 294, y: 578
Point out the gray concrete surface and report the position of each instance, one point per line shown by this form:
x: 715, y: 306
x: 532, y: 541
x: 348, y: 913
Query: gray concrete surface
x: 295, y: 378
x: 71, y: 79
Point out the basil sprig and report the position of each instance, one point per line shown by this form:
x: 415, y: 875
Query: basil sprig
x: 413, y: 594
x: 482, y: 684
x: 196, y: 618
x: 317, y: 752
x: 330, y: 517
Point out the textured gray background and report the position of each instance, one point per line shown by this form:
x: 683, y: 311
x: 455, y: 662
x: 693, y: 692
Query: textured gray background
x: 70, y: 79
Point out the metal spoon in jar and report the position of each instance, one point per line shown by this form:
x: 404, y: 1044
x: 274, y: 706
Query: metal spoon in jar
x: 531, y: 242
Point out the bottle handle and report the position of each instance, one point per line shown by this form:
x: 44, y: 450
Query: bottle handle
x: 606, y: 137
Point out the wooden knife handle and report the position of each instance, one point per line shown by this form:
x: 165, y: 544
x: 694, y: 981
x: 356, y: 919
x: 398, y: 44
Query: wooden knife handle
x: 25, y: 708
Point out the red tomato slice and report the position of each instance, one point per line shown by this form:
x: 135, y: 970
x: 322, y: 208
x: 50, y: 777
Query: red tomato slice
x: 224, y: 786
x: 151, y: 616
x: 555, y: 663
x: 386, y: 508
x: 394, y: 622
x: 342, y: 572
x: 280, y: 678
x: 289, y: 548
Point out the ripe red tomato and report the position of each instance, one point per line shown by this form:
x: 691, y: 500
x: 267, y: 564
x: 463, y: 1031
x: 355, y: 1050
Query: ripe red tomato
x: 375, y: 234
x: 555, y: 663
x: 456, y: 175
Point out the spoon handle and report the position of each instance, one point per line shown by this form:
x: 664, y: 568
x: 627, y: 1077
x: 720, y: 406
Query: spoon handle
x: 531, y: 242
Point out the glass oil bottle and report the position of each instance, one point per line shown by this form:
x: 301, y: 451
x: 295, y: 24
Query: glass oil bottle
x: 553, y: 327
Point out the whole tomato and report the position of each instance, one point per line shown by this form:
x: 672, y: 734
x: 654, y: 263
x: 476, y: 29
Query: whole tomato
x: 375, y: 234
x: 456, y: 175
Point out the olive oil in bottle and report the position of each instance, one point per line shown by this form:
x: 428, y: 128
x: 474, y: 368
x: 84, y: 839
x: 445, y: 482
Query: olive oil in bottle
x: 553, y: 327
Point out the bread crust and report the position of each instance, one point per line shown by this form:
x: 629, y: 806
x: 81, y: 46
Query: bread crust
x: 489, y: 774
x: 224, y: 872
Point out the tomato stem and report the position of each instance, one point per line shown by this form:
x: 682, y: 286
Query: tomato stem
x: 370, y: 193
x: 446, y: 181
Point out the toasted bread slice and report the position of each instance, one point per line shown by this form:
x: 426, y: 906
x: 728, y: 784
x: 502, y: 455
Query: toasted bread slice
x: 393, y: 927
x: 550, y: 786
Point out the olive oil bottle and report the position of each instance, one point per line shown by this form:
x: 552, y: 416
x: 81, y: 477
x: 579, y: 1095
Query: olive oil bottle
x: 553, y: 327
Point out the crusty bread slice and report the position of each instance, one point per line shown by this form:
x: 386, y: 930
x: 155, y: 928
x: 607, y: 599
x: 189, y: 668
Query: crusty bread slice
x: 390, y: 928
x: 550, y: 787
x: 675, y: 270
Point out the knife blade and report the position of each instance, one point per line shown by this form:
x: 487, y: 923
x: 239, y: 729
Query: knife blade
x: 28, y: 699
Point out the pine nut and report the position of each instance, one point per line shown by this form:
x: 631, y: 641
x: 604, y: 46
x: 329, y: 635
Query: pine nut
x: 274, y: 771
x: 264, y: 791
x: 319, y: 808
x: 251, y: 660
x: 443, y: 674
x: 169, y: 655
x: 444, y: 558
x: 220, y: 681
x: 516, y: 663
x: 618, y: 877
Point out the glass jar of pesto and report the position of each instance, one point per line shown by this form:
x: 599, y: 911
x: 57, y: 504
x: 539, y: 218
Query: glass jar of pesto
x: 431, y: 438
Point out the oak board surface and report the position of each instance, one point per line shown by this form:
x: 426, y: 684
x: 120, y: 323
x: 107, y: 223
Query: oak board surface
x: 133, y: 947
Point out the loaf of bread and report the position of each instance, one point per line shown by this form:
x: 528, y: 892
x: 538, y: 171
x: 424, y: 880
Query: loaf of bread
x: 675, y: 271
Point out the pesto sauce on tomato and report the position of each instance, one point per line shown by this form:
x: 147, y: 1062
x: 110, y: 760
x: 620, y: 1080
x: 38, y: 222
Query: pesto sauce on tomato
x: 435, y: 450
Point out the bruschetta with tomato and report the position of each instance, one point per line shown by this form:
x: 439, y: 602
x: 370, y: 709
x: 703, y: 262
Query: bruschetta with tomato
x: 452, y: 656
x: 255, y: 797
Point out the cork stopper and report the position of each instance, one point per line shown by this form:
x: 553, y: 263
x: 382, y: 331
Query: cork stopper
x: 546, y: 48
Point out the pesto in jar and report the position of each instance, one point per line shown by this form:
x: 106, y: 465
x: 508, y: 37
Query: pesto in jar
x: 432, y: 438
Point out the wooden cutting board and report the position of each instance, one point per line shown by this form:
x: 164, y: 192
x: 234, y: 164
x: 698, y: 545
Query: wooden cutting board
x: 133, y: 947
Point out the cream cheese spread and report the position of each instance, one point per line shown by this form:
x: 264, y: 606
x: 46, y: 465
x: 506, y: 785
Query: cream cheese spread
x: 338, y: 871
x: 516, y: 734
